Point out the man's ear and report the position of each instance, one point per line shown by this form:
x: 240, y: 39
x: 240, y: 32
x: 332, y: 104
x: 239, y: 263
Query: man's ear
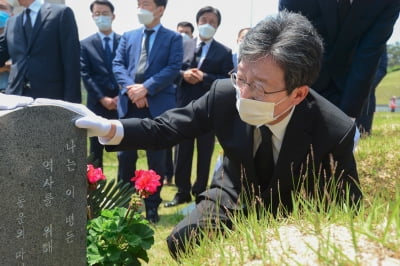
x: 299, y: 93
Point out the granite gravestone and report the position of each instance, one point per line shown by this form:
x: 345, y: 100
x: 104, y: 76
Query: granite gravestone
x: 42, y: 187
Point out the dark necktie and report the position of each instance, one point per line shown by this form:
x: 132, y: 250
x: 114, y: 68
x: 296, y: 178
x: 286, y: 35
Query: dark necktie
x: 343, y: 10
x: 107, y: 51
x: 28, y: 24
x: 197, y: 55
x: 139, y: 77
x: 264, y: 159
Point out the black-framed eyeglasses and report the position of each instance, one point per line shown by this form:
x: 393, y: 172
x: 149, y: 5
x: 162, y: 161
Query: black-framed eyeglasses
x: 256, y: 89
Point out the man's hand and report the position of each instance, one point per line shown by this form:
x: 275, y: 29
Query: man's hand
x: 137, y: 94
x: 8, y: 102
x: 193, y: 76
x: 109, y: 103
x: 96, y: 126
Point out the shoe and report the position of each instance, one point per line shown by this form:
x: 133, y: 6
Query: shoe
x: 178, y: 199
x: 152, y: 215
x: 167, y: 182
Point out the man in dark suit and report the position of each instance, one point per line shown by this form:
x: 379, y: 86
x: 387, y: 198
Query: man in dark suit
x: 280, y: 138
x: 355, y: 34
x: 43, y: 45
x: 97, y: 53
x: 146, y: 65
x: 206, y: 61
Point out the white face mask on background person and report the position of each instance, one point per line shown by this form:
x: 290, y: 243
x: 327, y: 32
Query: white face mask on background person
x: 185, y: 37
x: 206, y: 31
x: 257, y: 113
x: 103, y: 22
x: 145, y: 16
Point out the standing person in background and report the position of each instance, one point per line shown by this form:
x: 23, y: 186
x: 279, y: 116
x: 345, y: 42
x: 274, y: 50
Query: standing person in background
x: 146, y: 65
x: 355, y: 33
x: 392, y: 104
x: 97, y: 53
x: 186, y: 30
x: 364, y: 121
x: 43, y: 45
x: 207, y: 61
x: 235, y: 56
x: 6, y: 10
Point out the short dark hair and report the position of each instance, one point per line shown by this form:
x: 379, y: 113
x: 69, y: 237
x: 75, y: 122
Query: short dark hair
x: 161, y: 3
x: 208, y: 9
x: 292, y: 42
x: 186, y: 24
x: 102, y: 2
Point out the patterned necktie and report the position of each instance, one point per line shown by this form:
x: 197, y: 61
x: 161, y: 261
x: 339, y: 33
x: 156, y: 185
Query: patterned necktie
x: 197, y: 55
x: 107, y: 51
x: 264, y: 159
x: 139, y: 77
x: 28, y: 25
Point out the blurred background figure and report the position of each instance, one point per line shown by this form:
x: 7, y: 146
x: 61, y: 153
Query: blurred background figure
x: 6, y: 10
x: 392, y: 104
x: 97, y: 53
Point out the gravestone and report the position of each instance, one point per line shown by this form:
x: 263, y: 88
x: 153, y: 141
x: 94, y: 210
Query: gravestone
x: 42, y: 187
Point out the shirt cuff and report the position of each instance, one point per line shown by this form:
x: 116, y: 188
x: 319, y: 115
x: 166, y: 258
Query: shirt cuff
x: 119, y: 135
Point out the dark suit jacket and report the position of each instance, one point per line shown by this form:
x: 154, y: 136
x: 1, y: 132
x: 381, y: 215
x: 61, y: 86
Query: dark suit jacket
x: 317, y: 132
x: 352, y: 51
x: 164, y: 63
x: 216, y: 65
x: 97, y: 76
x: 50, y: 61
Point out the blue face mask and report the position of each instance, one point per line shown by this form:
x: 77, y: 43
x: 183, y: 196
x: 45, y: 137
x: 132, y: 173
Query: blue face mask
x: 3, y: 18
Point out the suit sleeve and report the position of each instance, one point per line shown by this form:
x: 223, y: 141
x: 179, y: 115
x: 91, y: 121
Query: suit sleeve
x: 167, y: 75
x: 226, y: 67
x: 69, y: 41
x: 366, y: 59
x: 87, y: 73
x: 121, y: 64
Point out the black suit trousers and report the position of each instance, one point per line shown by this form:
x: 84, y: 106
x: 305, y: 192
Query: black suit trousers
x: 155, y: 161
x: 184, y: 158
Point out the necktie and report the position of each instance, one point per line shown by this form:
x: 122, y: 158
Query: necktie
x: 197, y: 55
x: 107, y: 51
x: 139, y: 77
x: 264, y: 159
x: 28, y: 25
x: 343, y: 9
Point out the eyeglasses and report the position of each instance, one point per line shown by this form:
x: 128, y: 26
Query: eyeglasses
x: 256, y: 89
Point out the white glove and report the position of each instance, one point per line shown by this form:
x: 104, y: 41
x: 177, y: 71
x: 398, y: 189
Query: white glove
x: 95, y: 125
x: 8, y: 102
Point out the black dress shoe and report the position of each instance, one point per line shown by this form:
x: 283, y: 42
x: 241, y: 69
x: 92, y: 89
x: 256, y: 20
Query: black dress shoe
x: 152, y: 215
x: 178, y: 199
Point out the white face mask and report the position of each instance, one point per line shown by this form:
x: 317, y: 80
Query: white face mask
x: 185, y: 37
x: 145, y: 16
x: 257, y: 113
x: 103, y: 22
x: 206, y: 31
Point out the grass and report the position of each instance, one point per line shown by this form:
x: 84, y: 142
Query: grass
x: 308, y: 237
x: 389, y: 86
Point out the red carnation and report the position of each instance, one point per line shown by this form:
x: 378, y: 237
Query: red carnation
x: 94, y: 174
x: 146, y: 182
